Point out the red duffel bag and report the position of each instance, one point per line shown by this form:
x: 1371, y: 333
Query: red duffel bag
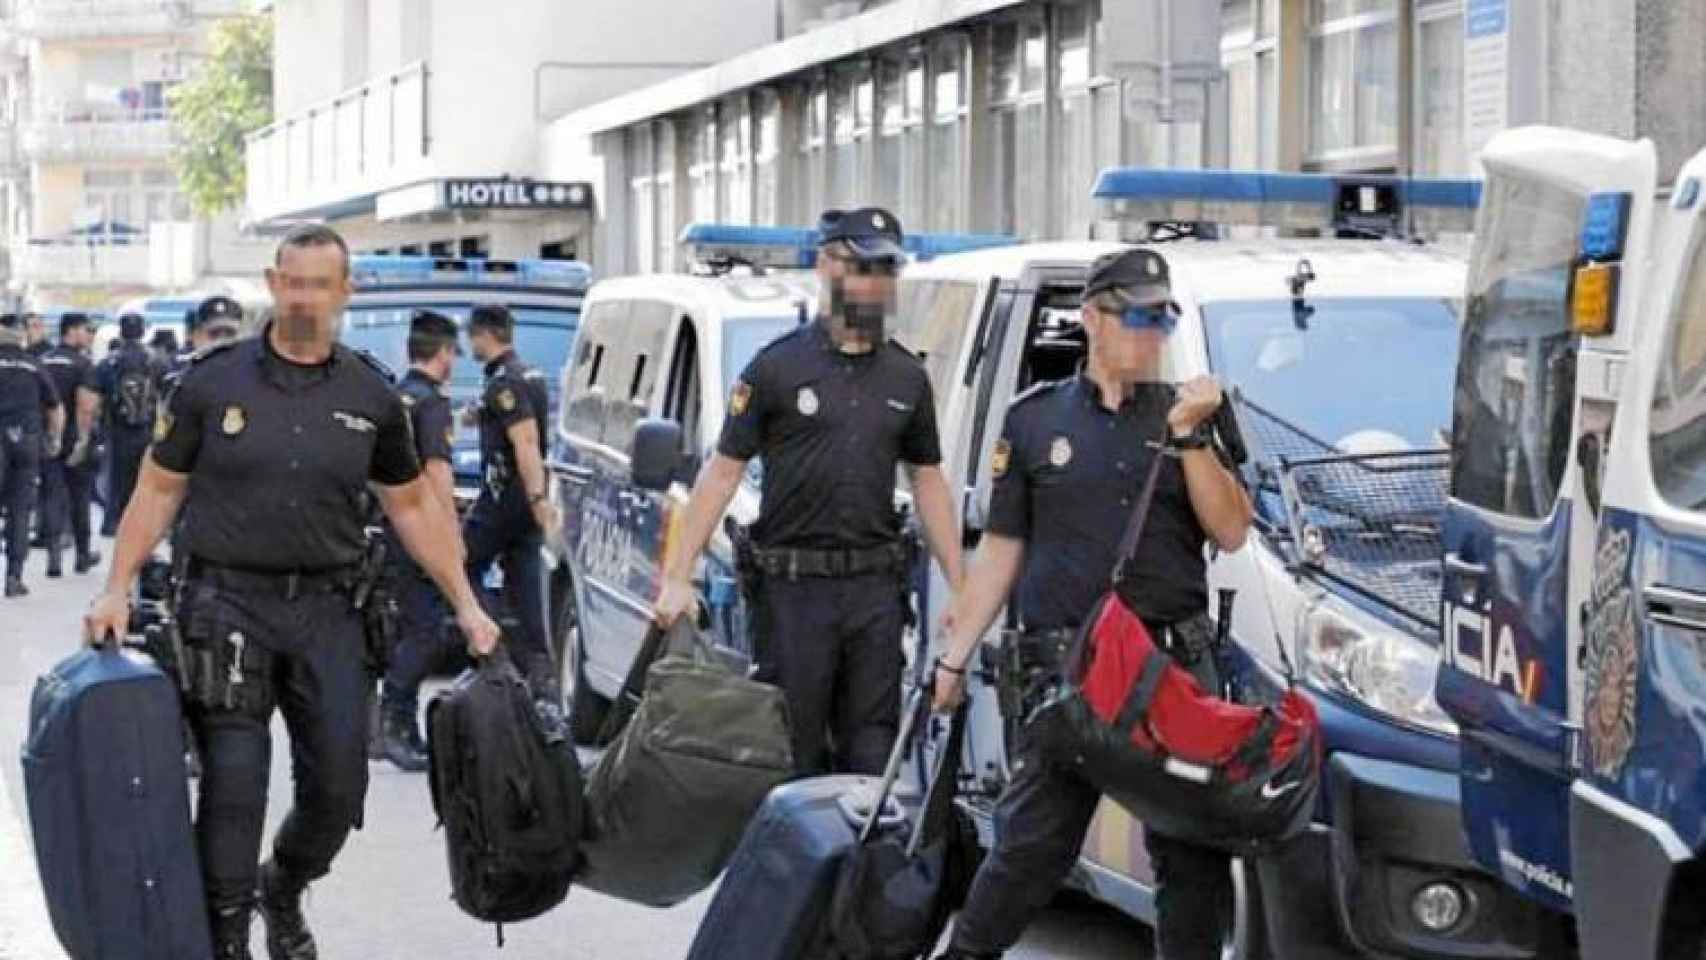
x: 1187, y: 763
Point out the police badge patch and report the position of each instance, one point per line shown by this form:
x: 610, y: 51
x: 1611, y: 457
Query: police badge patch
x: 450, y: 436
x: 1002, y: 458
x: 740, y: 398
x: 506, y: 400
x: 1060, y: 452
x: 808, y: 401
x: 234, y: 421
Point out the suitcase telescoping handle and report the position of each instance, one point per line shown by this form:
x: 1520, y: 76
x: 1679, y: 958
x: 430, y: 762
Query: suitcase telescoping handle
x: 915, y: 704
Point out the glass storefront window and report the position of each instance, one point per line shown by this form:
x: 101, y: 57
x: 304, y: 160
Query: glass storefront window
x: 767, y: 136
x: 734, y: 178
x: 1332, y: 70
x: 947, y: 66
x: 1439, y: 95
x: 1243, y: 122
x: 1237, y: 16
x: 1322, y: 11
x: 667, y: 225
x: 641, y: 212
x: 1353, y: 76
x: 1004, y: 72
x: 1075, y: 147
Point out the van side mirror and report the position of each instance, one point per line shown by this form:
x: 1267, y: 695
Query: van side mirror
x: 657, y: 454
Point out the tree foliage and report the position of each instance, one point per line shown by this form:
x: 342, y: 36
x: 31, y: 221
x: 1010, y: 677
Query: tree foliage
x: 229, y: 96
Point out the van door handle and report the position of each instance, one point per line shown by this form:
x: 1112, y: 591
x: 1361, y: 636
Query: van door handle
x: 1459, y: 567
x: 1675, y: 607
x: 571, y: 473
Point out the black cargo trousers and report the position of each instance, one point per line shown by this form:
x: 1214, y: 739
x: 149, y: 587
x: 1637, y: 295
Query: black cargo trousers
x: 256, y: 642
x: 1040, y: 824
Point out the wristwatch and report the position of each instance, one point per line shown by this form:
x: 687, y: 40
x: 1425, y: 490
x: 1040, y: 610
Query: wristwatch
x: 1197, y: 439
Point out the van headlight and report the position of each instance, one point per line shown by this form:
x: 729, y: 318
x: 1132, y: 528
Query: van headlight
x: 1348, y: 653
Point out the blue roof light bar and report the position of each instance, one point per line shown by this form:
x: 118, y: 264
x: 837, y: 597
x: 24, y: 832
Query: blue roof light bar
x: 371, y: 271
x: 795, y: 248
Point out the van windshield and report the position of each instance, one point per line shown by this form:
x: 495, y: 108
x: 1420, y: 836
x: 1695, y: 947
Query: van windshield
x: 743, y: 337
x: 543, y: 337
x: 1366, y: 375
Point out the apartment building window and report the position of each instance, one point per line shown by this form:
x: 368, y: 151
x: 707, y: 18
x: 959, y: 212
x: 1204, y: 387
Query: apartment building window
x: 702, y: 163
x: 734, y: 176
x: 767, y: 134
x: 107, y: 197
x: 1439, y: 148
x: 852, y: 102
x: 1249, y: 31
x: 1353, y: 82
x: 900, y: 148
x: 947, y: 134
x: 813, y: 178
x: 161, y: 198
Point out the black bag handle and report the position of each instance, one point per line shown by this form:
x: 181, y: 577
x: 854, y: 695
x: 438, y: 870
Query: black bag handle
x: 944, y: 783
x: 633, y: 685
x: 915, y: 707
x: 1137, y: 703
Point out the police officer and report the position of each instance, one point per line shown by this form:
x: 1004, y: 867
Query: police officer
x: 67, y: 478
x: 514, y: 513
x: 420, y: 648
x: 30, y: 423
x: 270, y: 444
x: 128, y: 381
x: 214, y: 320
x: 1069, y: 464
x: 164, y: 345
x: 833, y: 409
x: 36, y: 335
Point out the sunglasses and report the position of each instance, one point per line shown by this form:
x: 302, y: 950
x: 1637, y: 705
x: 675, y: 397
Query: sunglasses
x: 1163, y: 318
x: 866, y: 268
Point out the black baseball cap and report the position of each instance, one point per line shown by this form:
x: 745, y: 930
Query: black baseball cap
x: 871, y: 233
x: 218, y: 312
x: 131, y: 326
x: 11, y: 321
x: 430, y: 323
x: 1139, y: 276
x: 71, y: 320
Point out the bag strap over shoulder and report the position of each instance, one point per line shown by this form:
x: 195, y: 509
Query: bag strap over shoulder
x: 1140, y: 512
x: 1142, y: 696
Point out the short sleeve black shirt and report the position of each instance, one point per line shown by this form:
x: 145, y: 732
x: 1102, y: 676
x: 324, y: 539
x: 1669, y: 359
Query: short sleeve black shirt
x: 279, y: 454
x: 1068, y: 473
x: 514, y: 392
x: 26, y: 391
x: 70, y: 370
x: 428, y: 407
x: 831, y: 429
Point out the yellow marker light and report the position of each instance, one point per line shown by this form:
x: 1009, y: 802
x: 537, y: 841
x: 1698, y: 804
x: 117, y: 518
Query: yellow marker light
x: 1593, y: 299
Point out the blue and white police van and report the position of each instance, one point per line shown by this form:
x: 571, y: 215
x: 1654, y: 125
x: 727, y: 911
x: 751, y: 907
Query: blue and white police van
x: 1575, y: 563
x: 1341, y: 349
x: 658, y: 355
x: 543, y: 295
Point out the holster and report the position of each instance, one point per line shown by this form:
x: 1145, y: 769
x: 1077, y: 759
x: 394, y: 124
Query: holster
x: 1027, y: 665
x: 381, y: 623
x: 227, y: 673
x: 747, y: 567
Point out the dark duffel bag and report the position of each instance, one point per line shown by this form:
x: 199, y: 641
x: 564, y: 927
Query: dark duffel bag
x: 506, y: 786
x: 670, y: 798
x: 109, y: 806
x: 902, y: 881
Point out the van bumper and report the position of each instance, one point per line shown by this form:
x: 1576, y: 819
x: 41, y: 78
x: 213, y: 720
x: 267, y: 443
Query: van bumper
x: 1625, y: 862
x: 1346, y: 887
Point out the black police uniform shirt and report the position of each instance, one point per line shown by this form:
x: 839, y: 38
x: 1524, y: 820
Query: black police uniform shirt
x: 26, y: 391
x: 279, y: 454
x: 514, y: 392
x: 1068, y: 473
x: 69, y: 369
x: 428, y: 406
x: 830, y: 427
x: 123, y: 356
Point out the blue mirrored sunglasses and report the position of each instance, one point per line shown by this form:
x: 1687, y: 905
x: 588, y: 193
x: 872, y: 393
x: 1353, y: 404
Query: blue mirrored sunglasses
x: 1163, y: 318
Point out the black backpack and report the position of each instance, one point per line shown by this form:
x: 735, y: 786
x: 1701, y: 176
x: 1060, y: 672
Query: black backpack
x: 134, y: 388
x: 506, y: 786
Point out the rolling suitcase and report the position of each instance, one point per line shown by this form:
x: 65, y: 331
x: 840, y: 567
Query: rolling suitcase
x: 775, y: 899
x: 109, y: 807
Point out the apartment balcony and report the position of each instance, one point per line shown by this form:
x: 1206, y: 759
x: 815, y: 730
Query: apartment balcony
x: 80, y: 264
x: 363, y: 141
x: 54, y: 20
x: 62, y: 133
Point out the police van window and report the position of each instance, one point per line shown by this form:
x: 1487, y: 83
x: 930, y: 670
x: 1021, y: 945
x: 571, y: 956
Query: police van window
x: 640, y: 339
x: 681, y: 401
x: 932, y: 318
x: 583, y: 415
x: 1515, y: 388
x: 1677, y: 427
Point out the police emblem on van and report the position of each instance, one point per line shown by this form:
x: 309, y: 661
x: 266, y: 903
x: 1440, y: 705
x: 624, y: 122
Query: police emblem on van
x: 808, y: 401
x: 234, y: 421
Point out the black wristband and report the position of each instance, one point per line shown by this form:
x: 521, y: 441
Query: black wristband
x: 942, y: 664
x: 1197, y: 439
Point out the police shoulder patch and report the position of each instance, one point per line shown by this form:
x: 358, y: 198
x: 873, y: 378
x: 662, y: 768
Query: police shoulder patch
x: 162, y: 423
x: 1001, y: 459
x: 740, y: 398
x: 505, y: 399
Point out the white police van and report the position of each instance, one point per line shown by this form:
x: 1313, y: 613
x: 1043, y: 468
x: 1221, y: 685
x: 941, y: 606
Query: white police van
x: 656, y: 361
x: 544, y: 296
x: 1575, y: 564
x: 1342, y: 353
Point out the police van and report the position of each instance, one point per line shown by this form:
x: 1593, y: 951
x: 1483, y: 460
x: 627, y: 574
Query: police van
x: 543, y: 295
x: 1341, y: 352
x: 1575, y: 564
x: 657, y: 359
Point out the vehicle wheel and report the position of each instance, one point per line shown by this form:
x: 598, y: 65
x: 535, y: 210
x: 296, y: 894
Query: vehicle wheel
x: 586, y: 708
x: 1248, y: 937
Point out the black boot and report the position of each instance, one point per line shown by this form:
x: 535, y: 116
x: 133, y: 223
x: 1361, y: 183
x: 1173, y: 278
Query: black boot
x: 288, y: 937
x: 403, y: 746
x: 15, y: 588
x: 86, y: 561
x: 54, y: 570
x: 231, y: 934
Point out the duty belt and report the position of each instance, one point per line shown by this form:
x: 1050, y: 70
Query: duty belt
x: 794, y: 564
x: 289, y: 584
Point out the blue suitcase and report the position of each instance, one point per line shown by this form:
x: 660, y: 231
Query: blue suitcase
x: 109, y: 807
